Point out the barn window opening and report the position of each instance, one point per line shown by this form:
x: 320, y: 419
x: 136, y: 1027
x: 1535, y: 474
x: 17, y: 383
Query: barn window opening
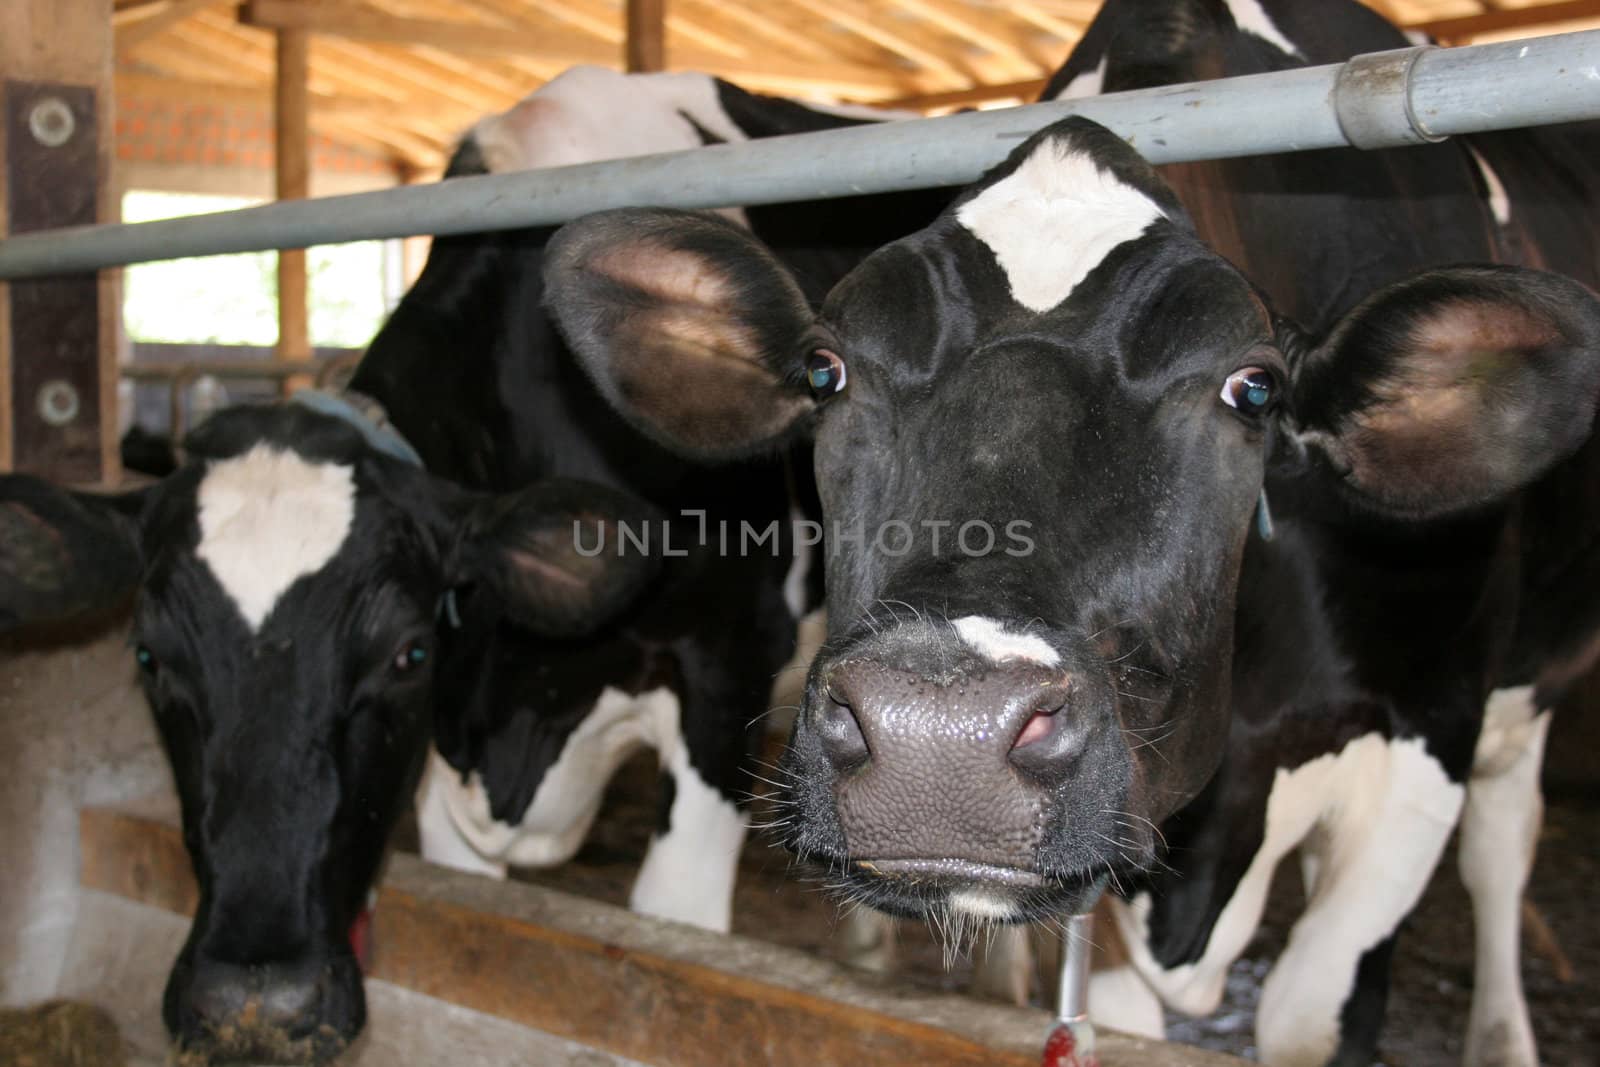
x: 213, y: 309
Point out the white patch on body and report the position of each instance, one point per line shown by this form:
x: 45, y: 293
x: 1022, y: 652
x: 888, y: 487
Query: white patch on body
x: 1089, y: 83
x: 1053, y: 220
x: 988, y: 638
x: 1377, y: 815
x: 1252, y: 18
x: 688, y: 873
x: 568, y: 797
x: 267, y: 518
x: 1499, y: 202
x: 588, y: 114
x: 1499, y: 832
x: 441, y: 837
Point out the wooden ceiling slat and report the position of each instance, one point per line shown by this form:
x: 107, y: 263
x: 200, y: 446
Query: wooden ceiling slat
x: 864, y: 25
x: 1068, y: 29
x: 134, y: 25
x: 694, y: 30
x: 343, y: 20
x: 974, y: 27
x: 1513, y: 18
x: 714, y: 12
x: 603, y: 25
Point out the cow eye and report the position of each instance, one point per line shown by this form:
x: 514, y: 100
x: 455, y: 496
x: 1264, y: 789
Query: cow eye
x: 412, y: 655
x: 825, y: 373
x: 1251, y: 390
x: 146, y: 659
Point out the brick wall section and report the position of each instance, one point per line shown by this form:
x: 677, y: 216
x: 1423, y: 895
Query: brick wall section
x: 222, y: 135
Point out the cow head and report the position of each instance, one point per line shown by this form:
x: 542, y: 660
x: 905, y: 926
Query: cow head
x: 289, y: 580
x: 1061, y: 367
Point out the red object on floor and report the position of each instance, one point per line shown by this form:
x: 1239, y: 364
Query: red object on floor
x: 1061, y: 1050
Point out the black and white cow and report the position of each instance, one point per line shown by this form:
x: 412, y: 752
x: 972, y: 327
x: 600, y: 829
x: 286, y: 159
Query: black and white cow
x: 1111, y: 381
x: 312, y: 600
x: 289, y: 576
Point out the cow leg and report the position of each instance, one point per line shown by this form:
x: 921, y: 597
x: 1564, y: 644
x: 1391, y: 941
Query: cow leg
x: 1377, y: 847
x: 689, y: 869
x: 442, y: 840
x: 1499, y: 832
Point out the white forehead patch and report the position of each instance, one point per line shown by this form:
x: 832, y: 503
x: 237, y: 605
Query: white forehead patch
x: 269, y: 517
x: 989, y: 638
x: 1053, y: 220
x: 1249, y: 16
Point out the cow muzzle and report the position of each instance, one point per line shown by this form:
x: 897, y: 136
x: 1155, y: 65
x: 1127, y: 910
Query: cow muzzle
x: 282, y: 1013
x: 944, y: 785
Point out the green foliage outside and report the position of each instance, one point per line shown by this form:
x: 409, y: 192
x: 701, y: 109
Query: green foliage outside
x: 233, y: 300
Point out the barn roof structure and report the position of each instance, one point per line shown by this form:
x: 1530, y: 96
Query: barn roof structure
x: 394, y: 82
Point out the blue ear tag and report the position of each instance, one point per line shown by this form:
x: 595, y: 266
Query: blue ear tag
x: 1264, y: 517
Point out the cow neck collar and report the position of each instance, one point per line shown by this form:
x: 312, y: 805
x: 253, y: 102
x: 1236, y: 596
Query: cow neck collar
x: 366, y: 415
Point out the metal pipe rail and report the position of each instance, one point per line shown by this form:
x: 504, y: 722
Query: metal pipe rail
x: 1385, y: 99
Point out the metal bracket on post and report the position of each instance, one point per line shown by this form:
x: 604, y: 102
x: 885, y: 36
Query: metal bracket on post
x: 52, y: 180
x: 1372, y: 100
x: 1071, y: 1041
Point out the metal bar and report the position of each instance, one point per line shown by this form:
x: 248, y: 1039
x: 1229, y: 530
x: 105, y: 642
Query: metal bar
x: 1447, y: 91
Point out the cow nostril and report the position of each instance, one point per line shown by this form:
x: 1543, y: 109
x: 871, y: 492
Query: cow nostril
x: 1048, y: 740
x: 842, y: 740
x: 1038, y: 728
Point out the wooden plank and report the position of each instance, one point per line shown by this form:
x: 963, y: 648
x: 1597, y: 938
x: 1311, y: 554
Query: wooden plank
x: 1509, y: 19
x: 291, y: 119
x: 653, y: 991
x: 67, y: 42
x: 646, y: 45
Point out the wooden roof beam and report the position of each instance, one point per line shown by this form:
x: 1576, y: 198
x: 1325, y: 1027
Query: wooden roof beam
x: 348, y: 21
x: 1515, y: 18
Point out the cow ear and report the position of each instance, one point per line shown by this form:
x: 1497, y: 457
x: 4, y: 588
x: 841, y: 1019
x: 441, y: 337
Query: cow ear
x: 1453, y: 388
x: 64, y: 553
x: 686, y: 323
x: 554, y: 555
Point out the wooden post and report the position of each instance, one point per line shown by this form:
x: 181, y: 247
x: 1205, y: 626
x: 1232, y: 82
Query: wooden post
x: 290, y: 117
x: 647, y: 36
x: 58, y: 337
